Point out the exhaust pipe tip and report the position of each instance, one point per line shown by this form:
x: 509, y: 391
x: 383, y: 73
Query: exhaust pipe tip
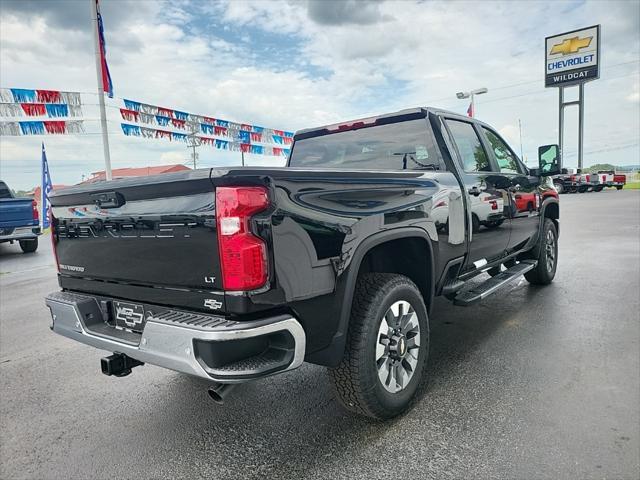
x: 219, y: 392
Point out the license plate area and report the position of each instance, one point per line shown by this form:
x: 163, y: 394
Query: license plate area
x: 129, y: 316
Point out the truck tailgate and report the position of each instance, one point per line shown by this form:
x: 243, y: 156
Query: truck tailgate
x: 16, y: 212
x: 149, y: 231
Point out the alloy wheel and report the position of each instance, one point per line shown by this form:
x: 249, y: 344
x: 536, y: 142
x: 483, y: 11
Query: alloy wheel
x: 398, y: 346
x: 550, y: 247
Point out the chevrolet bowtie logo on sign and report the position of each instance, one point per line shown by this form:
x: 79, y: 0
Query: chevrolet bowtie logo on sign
x: 571, y: 45
x: 572, y: 57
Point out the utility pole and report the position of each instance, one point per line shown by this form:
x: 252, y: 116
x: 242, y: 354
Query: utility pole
x: 103, y: 112
x: 193, y: 141
x: 242, y: 153
x: 521, y: 151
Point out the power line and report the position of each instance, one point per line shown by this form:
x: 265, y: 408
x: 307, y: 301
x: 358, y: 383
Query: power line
x: 603, y: 150
x: 538, y: 80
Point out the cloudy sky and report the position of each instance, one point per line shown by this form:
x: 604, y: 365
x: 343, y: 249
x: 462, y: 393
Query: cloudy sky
x: 296, y: 64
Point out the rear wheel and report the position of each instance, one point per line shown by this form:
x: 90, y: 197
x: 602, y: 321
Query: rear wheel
x: 475, y: 223
x: 618, y: 187
x: 559, y: 187
x: 29, y: 246
x: 387, y: 347
x: 547, y: 256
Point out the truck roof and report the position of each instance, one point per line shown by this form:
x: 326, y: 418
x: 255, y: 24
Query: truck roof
x: 400, y: 115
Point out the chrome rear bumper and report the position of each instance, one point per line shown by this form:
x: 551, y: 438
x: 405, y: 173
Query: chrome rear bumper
x: 22, y: 233
x: 172, y: 338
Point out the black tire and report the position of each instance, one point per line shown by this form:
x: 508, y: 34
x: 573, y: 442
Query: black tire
x: 559, y: 187
x: 582, y: 189
x: 29, y: 246
x: 356, y: 380
x: 545, y: 270
x: 618, y: 187
x: 598, y: 188
x: 475, y: 223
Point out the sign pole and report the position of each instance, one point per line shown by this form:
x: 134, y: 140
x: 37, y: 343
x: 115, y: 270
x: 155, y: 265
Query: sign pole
x: 103, y: 113
x: 572, y: 59
x: 580, y: 124
x: 561, y: 119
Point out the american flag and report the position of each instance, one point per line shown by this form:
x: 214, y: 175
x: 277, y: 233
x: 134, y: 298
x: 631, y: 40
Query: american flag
x: 470, y: 110
x: 107, y: 85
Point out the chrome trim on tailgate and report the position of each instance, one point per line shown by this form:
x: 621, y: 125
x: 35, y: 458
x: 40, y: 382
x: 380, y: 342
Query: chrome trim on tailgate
x: 167, y: 341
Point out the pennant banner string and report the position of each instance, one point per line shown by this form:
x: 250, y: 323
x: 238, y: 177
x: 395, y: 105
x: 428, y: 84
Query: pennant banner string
x: 190, y: 117
x: 145, y: 132
x: 215, y: 127
x: 40, y: 110
x: 42, y: 127
x: 26, y: 95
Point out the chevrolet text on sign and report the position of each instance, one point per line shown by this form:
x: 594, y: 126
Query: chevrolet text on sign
x: 572, y: 57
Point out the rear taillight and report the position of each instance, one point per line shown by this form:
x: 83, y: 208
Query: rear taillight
x: 243, y: 255
x: 34, y: 210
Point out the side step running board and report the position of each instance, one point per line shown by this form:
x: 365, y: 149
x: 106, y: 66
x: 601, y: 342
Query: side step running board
x: 485, y: 289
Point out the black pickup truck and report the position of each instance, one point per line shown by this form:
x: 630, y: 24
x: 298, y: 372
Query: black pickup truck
x: 233, y: 274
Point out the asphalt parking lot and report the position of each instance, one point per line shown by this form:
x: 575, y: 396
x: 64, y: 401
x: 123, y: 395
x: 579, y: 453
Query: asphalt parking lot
x: 533, y: 383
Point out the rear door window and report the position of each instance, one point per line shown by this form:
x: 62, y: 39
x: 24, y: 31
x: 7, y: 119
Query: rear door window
x: 473, y: 155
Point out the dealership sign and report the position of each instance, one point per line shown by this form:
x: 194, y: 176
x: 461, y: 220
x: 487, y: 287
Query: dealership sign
x: 572, y: 57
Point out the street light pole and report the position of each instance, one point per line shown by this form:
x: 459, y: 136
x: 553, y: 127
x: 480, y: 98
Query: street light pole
x: 521, y: 151
x: 472, y: 94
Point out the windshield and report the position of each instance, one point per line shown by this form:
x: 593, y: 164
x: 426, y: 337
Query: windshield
x: 397, y: 146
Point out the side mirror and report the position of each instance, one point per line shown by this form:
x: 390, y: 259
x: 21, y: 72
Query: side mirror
x: 549, y: 160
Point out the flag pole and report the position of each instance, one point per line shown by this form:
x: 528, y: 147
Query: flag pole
x: 103, y: 113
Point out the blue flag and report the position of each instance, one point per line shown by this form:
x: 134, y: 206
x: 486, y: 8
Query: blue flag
x: 46, y: 189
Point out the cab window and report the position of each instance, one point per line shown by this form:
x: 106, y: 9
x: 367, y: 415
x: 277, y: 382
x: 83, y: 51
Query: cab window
x: 406, y: 145
x: 507, y: 160
x: 472, y: 153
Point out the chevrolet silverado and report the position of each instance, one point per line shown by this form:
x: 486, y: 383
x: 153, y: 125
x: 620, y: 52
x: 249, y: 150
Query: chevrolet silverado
x: 233, y: 274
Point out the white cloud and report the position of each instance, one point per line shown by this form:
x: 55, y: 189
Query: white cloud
x: 511, y: 134
x: 173, y: 157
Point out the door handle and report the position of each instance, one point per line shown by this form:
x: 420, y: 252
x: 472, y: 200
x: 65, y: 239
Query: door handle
x: 475, y: 191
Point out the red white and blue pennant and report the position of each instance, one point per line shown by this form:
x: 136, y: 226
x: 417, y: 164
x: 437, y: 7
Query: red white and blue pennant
x: 220, y: 144
x: 45, y: 127
x: 229, y: 135
x: 24, y: 95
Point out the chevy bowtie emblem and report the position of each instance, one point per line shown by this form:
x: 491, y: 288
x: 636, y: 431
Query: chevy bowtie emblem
x: 570, y: 45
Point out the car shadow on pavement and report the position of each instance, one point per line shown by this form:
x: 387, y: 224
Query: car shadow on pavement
x: 272, y: 424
